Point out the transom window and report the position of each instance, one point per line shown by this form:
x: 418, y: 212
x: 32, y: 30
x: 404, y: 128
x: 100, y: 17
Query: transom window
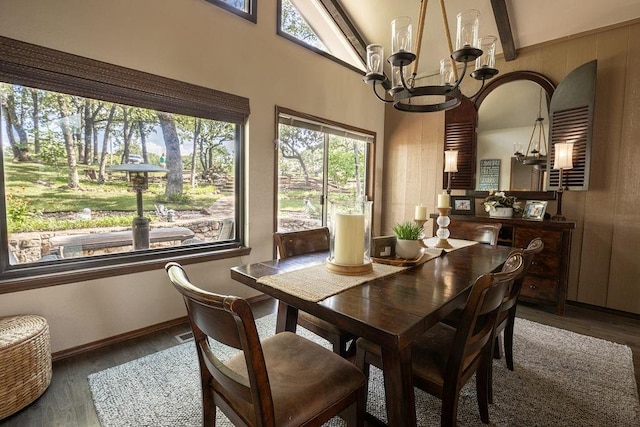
x: 244, y: 8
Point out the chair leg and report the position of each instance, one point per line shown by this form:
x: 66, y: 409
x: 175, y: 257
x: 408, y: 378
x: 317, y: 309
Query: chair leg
x: 449, y: 415
x: 361, y: 364
x: 508, y: 343
x: 497, y: 347
x: 483, y: 387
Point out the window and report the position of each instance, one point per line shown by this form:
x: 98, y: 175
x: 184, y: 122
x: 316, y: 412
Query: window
x: 69, y: 127
x: 323, y: 27
x: 244, y: 8
x: 319, y: 161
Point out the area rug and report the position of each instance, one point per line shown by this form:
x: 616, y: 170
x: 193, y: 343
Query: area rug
x: 560, y: 379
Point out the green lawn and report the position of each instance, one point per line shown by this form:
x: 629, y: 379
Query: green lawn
x: 34, y: 190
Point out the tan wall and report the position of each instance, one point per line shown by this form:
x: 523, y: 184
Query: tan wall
x: 605, y: 269
x: 199, y: 43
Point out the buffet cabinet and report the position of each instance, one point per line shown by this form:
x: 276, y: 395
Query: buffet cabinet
x: 547, y: 280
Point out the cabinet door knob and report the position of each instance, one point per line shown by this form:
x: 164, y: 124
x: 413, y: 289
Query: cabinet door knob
x: 533, y: 286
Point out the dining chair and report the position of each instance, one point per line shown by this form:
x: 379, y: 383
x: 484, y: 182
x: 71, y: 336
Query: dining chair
x: 304, y: 242
x: 283, y: 380
x: 486, y: 233
x: 445, y: 358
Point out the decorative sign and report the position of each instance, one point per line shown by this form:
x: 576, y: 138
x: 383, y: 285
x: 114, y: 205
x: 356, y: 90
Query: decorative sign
x: 489, y: 175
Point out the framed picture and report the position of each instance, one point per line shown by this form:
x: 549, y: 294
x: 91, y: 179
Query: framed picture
x: 463, y: 205
x: 534, y: 209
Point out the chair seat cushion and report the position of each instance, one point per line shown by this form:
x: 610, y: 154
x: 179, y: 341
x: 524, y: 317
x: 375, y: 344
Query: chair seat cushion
x: 299, y: 372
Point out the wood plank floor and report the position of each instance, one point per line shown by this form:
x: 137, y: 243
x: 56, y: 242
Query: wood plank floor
x: 67, y: 402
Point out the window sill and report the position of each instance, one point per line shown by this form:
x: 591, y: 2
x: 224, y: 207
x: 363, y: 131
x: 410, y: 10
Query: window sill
x: 41, y: 276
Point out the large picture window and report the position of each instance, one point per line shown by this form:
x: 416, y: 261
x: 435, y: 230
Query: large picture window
x: 107, y: 166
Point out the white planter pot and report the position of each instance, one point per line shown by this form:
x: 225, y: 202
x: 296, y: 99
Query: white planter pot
x: 409, y: 249
x: 501, y: 212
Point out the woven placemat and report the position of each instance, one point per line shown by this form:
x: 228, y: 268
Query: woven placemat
x: 317, y: 283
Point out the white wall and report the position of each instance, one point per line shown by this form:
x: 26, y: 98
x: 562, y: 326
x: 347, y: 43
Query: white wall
x: 199, y: 43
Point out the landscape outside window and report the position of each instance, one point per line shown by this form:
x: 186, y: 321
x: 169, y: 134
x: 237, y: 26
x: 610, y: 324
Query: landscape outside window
x: 57, y: 150
x: 243, y: 8
x: 318, y: 162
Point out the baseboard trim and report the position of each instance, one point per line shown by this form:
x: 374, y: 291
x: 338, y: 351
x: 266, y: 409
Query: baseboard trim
x: 95, y: 345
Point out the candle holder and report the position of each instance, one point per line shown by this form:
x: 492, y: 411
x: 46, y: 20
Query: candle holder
x: 443, y: 222
x: 350, y: 238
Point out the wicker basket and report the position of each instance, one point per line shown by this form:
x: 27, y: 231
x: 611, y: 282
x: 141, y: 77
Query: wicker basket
x: 25, y: 361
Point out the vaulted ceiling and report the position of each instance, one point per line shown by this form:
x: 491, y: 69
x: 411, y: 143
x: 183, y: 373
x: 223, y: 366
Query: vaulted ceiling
x: 517, y: 24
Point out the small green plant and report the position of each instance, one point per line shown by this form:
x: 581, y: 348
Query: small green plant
x: 408, y: 230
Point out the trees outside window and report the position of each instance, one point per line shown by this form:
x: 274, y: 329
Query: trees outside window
x: 61, y: 204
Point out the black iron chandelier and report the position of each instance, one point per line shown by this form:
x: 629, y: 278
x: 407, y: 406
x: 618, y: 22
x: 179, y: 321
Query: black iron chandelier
x: 406, y: 95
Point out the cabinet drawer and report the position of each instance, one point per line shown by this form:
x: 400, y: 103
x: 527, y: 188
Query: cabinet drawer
x: 540, y: 288
x: 547, y: 262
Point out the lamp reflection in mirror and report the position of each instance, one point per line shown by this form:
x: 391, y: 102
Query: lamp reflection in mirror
x: 563, y: 160
x: 450, y: 166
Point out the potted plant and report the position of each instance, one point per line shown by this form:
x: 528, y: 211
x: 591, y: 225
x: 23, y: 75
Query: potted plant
x: 407, y: 235
x: 499, y: 205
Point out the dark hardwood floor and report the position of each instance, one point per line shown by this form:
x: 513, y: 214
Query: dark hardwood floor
x: 67, y: 402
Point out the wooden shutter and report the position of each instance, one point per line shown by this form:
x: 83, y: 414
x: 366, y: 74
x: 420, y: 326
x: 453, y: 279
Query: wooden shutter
x: 460, y: 134
x: 571, y: 113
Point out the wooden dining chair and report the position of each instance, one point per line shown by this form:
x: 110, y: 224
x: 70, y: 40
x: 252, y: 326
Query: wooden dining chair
x: 444, y: 358
x: 304, y: 242
x: 285, y: 380
x: 486, y: 233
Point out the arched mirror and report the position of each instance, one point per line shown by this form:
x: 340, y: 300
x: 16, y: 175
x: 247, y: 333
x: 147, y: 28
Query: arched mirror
x: 506, y: 117
x: 513, y: 133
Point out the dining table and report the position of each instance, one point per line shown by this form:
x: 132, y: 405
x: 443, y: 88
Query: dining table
x: 391, y: 310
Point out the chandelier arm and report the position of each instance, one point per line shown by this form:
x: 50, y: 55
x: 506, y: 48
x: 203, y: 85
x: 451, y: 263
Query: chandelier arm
x: 472, y: 97
x: 459, y: 80
x: 378, y: 96
x: 447, y: 33
x: 404, y: 83
x: 421, y: 21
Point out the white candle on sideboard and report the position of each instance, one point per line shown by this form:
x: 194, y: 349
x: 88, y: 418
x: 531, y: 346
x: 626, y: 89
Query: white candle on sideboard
x: 443, y: 200
x: 421, y: 212
x: 349, y: 239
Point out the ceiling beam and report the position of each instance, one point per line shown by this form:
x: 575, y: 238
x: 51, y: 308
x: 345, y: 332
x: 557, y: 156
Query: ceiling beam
x: 340, y: 17
x: 504, y: 29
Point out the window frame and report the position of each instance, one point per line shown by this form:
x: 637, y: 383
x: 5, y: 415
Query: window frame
x: 315, y: 120
x: 344, y: 24
x: 36, y: 66
x: 252, y: 15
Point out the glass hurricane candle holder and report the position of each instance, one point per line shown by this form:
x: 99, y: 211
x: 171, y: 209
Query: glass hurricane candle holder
x: 350, y: 237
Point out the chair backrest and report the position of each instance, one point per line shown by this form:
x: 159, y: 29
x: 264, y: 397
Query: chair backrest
x: 534, y: 247
x: 475, y: 332
x: 486, y: 233
x: 228, y: 320
x: 302, y: 242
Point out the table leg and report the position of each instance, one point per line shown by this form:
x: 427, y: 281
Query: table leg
x: 398, y: 385
x: 287, y: 319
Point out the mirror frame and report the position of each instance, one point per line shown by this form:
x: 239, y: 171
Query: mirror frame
x: 549, y: 87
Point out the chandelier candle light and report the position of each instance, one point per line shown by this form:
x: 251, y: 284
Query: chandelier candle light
x: 406, y: 95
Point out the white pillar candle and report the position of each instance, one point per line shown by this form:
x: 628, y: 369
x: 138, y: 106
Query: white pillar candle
x: 421, y: 212
x: 443, y: 200
x: 349, y: 239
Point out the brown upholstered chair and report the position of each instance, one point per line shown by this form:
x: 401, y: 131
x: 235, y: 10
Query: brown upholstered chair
x: 444, y: 358
x: 285, y: 380
x: 477, y: 231
x: 304, y: 242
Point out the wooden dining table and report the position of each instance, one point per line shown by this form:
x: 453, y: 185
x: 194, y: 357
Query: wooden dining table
x: 391, y: 311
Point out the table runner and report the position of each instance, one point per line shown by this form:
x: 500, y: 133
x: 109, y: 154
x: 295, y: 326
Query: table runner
x: 317, y: 283
x: 456, y: 243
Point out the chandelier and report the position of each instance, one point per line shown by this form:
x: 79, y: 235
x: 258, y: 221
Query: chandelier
x: 406, y: 95
x: 536, y: 153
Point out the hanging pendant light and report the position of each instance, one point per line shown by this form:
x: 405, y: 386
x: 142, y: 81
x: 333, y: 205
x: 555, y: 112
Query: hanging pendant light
x: 405, y: 94
x: 536, y: 153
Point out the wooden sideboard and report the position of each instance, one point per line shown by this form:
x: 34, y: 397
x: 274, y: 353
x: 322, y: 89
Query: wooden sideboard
x: 548, y: 277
